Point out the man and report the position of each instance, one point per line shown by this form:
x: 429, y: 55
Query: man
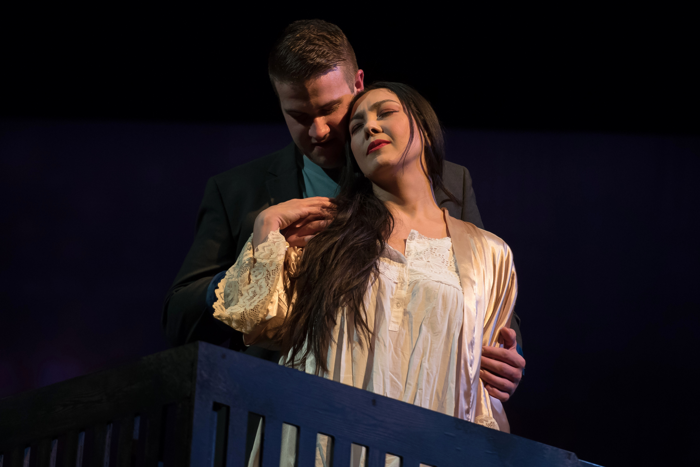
x: 314, y: 73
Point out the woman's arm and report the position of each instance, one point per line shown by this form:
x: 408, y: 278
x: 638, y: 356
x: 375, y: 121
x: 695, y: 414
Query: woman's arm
x: 252, y: 296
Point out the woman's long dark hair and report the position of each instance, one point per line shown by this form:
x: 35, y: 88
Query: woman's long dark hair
x: 340, y: 262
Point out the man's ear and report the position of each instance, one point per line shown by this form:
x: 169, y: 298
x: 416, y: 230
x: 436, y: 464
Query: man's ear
x: 359, y: 81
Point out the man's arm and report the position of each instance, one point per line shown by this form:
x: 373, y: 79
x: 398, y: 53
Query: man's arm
x: 187, y: 316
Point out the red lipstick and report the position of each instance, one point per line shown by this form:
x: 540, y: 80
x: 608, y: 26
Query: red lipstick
x: 376, y: 144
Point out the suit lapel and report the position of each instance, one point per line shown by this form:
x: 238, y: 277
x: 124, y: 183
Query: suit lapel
x: 283, y: 188
x: 283, y: 177
x: 281, y: 184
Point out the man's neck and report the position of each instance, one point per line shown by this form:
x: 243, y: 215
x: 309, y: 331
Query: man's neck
x: 334, y: 174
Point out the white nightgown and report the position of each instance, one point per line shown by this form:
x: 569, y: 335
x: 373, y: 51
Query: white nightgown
x: 415, y: 310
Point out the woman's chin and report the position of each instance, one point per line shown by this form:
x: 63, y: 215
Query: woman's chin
x: 375, y: 166
x: 379, y: 172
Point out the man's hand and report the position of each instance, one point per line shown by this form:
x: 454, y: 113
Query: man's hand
x: 502, y: 368
x: 297, y: 219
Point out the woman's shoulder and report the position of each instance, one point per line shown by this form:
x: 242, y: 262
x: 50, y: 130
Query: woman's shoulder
x: 489, y: 240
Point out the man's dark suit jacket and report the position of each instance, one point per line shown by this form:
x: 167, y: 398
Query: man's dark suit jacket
x: 232, y: 201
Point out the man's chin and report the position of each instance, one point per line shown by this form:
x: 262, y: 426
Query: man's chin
x: 330, y: 156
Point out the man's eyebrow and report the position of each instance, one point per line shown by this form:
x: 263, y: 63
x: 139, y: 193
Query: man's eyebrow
x: 334, y: 103
x: 331, y: 104
x: 374, y: 106
x: 294, y: 111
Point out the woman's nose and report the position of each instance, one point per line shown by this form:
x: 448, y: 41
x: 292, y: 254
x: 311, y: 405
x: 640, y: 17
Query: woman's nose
x: 372, y: 128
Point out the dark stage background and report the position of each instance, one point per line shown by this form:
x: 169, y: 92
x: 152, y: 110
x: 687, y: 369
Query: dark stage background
x: 581, y: 136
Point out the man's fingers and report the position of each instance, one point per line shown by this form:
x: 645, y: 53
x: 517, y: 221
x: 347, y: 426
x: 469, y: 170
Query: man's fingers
x: 496, y: 382
x: 510, y: 357
x: 500, y: 395
x: 502, y: 370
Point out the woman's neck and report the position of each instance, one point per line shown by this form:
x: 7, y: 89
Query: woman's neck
x: 411, y: 201
x: 408, y: 194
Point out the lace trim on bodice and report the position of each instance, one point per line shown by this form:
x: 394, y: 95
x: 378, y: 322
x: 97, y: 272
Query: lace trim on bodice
x: 426, y: 258
x: 431, y: 258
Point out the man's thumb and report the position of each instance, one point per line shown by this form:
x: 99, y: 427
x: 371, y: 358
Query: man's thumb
x: 507, y: 338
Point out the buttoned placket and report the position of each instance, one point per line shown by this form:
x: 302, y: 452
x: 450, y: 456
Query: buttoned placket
x: 398, y: 302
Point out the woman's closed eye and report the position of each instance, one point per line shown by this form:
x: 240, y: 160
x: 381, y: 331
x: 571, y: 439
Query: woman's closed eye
x: 382, y: 114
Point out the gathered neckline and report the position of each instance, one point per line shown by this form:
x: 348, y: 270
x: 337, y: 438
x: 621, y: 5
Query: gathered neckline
x: 414, y: 235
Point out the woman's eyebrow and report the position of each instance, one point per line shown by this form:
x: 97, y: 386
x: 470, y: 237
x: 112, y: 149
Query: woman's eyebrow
x: 360, y: 115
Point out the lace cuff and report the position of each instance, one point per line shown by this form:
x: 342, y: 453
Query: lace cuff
x: 252, y: 290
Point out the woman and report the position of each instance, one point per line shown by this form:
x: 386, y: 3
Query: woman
x: 394, y: 296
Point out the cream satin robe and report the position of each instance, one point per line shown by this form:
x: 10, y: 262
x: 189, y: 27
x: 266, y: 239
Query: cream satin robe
x: 430, y: 310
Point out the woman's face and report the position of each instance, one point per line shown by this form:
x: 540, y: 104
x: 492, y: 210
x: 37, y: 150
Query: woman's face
x: 379, y: 133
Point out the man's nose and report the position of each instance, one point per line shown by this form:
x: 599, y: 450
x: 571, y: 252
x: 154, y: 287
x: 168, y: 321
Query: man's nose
x: 319, y: 129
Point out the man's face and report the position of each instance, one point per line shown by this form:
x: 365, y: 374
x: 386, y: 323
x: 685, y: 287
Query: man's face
x: 316, y: 115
